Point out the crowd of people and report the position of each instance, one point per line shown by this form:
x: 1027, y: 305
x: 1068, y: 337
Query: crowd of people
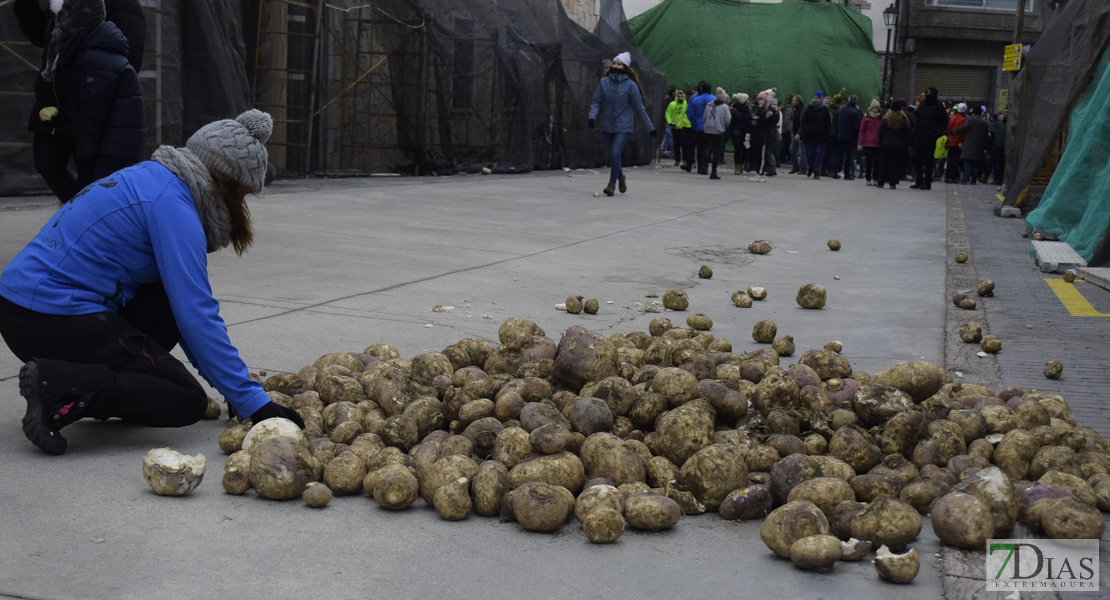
x: 833, y: 136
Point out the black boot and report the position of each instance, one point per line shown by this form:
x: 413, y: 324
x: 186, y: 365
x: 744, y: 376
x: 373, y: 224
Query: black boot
x: 58, y: 393
x: 608, y: 189
x: 621, y: 185
x: 713, y: 173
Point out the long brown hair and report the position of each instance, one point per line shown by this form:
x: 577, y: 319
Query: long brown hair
x: 896, y: 119
x: 628, y: 70
x: 234, y: 195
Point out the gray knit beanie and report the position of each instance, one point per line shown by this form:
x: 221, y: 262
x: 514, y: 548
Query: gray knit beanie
x: 235, y: 149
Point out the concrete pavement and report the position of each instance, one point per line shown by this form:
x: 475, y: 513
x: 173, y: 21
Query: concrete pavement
x: 340, y: 265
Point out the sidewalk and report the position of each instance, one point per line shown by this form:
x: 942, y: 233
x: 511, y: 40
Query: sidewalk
x: 340, y: 265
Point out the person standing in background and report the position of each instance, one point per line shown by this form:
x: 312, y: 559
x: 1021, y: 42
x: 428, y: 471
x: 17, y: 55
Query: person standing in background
x: 955, y: 143
x: 739, y: 129
x: 786, y: 129
x: 813, y: 132
x: 998, y: 150
x: 763, y: 130
x: 666, y: 148
x: 695, y: 110
x: 617, y: 100
x: 679, y: 124
x: 718, y: 115
x: 895, y: 135
x: 847, y: 137
x: 829, y: 166
x: 797, y: 148
x: 53, y: 128
x: 868, y: 141
x: 976, y: 134
x: 928, y: 126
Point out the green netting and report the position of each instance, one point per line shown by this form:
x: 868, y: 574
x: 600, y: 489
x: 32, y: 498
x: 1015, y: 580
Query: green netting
x: 1076, y: 205
x: 797, y: 47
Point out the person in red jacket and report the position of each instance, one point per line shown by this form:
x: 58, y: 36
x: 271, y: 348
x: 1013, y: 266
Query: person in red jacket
x: 955, y: 143
x: 869, y: 140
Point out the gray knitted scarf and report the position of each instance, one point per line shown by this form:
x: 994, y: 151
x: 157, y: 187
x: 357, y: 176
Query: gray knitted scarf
x: 214, y: 215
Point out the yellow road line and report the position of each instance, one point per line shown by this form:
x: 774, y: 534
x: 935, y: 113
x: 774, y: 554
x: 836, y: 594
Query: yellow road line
x: 1073, y: 299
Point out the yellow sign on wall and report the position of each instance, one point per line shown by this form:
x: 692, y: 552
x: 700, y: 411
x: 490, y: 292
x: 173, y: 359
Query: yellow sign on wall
x: 1011, y: 64
x: 1013, y: 51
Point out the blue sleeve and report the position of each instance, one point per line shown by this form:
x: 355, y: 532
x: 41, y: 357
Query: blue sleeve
x: 179, y: 250
x: 595, y: 104
x: 638, y: 104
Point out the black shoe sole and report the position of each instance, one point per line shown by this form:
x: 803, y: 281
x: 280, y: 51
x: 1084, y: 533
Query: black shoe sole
x: 36, y: 424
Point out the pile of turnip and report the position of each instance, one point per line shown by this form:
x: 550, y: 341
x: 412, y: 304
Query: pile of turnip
x: 639, y: 429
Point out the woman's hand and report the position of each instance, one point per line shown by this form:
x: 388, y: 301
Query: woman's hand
x: 273, y: 409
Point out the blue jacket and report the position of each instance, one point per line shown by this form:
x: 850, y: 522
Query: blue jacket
x: 615, y: 101
x: 695, y: 109
x: 136, y: 226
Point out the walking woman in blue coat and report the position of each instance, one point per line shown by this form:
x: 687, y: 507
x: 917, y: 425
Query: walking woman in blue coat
x: 119, y: 276
x: 616, y: 100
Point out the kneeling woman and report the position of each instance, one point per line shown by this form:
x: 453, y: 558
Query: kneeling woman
x: 119, y: 276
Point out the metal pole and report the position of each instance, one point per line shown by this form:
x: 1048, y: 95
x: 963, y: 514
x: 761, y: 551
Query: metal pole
x: 886, y: 59
x: 1019, y: 22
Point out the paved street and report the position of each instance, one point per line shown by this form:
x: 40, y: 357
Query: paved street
x: 339, y: 265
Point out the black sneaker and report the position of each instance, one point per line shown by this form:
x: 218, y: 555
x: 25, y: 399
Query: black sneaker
x: 686, y: 168
x: 608, y: 190
x: 37, y: 423
x: 621, y: 185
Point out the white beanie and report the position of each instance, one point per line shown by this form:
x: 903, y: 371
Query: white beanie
x: 961, y: 108
x: 235, y: 149
x: 624, y: 57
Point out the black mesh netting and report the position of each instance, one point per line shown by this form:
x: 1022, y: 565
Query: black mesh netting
x: 397, y: 86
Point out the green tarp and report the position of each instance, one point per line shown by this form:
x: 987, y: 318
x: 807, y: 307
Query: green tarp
x: 797, y: 47
x: 1076, y: 205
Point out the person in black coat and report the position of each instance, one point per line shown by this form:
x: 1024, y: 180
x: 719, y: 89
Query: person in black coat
x: 895, y: 135
x: 112, y: 131
x: 738, y: 130
x: 813, y: 131
x: 929, y: 125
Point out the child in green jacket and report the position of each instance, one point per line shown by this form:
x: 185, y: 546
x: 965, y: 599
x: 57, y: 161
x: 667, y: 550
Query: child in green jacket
x: 680, y: 124
x: 941, y: 156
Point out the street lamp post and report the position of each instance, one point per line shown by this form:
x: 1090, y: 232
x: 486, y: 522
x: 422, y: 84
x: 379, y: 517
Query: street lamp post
x: 890, y: 18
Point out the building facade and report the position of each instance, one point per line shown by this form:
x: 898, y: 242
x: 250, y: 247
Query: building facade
x: 958, y: 47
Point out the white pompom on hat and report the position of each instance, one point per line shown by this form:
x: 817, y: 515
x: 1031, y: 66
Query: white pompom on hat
x: 235, y: 148
x: 624, y: 58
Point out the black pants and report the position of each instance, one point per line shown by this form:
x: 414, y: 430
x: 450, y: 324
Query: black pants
x: 689, y: 146
x: 892, y: 164
x: 52, y: 154
x: 952, y: 172
x: 923, y: 161
x: 702, y: 142
x: 870, y: 162
x: 150, y: 388
x: 762, y: 154
x: 716, y: 149
x: 739, y: 152
x: 679, y: 136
